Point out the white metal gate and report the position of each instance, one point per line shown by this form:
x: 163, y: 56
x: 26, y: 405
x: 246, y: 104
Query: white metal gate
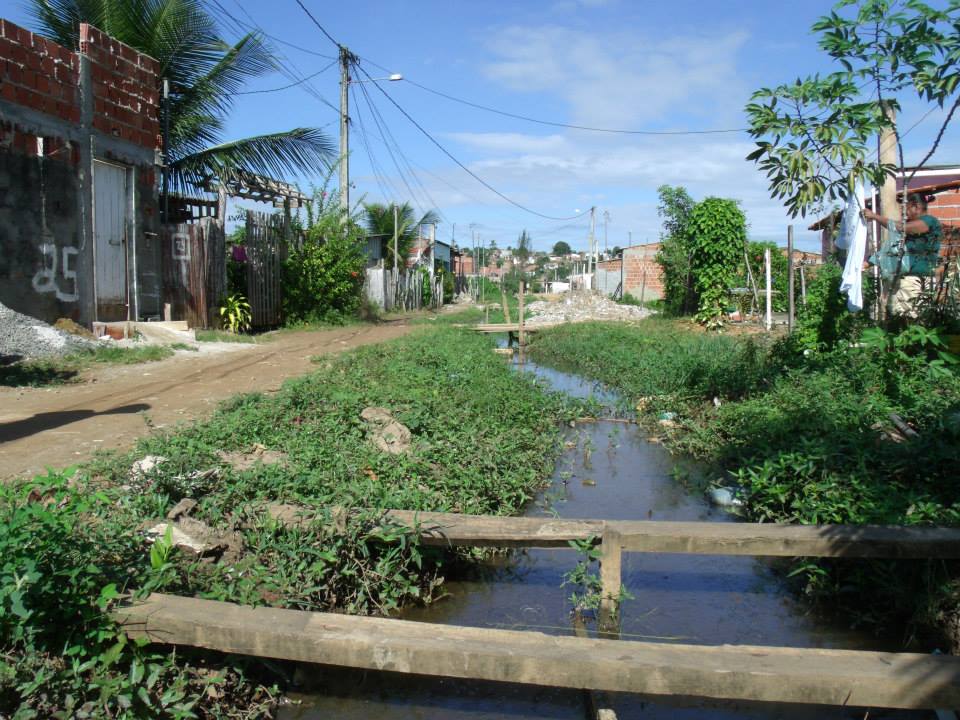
x: 110, y: 234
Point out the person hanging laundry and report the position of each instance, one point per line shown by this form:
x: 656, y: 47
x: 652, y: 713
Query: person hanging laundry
x: 853, y: 238
x: 924, y: 233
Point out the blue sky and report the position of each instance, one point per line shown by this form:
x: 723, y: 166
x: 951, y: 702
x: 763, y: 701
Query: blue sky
x: 683, y: 65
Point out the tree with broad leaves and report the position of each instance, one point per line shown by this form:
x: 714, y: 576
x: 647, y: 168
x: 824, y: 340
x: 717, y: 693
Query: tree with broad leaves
x: 815, y: 136
x: 561, y: 248
x: 204, y: 73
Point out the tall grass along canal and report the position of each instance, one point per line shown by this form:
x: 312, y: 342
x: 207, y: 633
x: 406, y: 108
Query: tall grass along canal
x: 609, y: 470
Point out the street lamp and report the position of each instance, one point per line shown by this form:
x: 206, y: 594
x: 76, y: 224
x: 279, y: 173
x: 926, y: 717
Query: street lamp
x: 346, y: 57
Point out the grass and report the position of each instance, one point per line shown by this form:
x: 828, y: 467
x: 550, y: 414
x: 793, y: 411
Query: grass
x: 56, y: 371
x: 223, y: 336
x: 484, y: 441
x: 805, y: 437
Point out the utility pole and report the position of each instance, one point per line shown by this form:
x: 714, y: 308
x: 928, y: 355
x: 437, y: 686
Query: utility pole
x: 345, y: 59
x: 790, y: 281
x: 606, y: 220
x: 592, y: 248
x: 396, y: 234
x: 166, y: 155
x: 888, y: 196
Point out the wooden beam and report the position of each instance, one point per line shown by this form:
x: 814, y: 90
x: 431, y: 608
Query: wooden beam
x: 699, y: 538
x: 832, y: 677
x: 493, y: 531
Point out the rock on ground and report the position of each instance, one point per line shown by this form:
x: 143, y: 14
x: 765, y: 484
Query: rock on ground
x: 22, y: 336
x: 386, y: 433
x: 581, y: 307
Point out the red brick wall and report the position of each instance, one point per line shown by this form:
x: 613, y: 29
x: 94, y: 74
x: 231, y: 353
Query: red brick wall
x: 640, y: 261
x: 946, y: 208
x: 39, y: 74
x: 126, y: 89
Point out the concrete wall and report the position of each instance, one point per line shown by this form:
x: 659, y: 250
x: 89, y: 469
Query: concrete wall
x: 60, y: 111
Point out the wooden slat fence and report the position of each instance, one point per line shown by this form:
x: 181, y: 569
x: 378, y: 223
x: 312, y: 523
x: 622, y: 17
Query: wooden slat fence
x: 266, y: 249
x: 193, y: 268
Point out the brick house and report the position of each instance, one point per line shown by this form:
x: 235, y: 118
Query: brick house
x: 637, y: 269
x: 79, y: 220
x: 942, y: 181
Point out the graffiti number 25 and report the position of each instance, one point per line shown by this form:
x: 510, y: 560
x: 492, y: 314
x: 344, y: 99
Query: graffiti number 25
x: 45, y: 281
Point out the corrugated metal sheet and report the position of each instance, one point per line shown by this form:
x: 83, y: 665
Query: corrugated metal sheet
x: 194, y: 271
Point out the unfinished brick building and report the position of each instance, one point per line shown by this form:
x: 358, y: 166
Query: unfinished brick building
x: 79, y: 139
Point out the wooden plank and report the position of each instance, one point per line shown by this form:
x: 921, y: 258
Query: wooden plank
x: 700, y: 538
x: 611, y: 556
x: 834, y: 677
x: 781, y: 540
x: 492, y: 531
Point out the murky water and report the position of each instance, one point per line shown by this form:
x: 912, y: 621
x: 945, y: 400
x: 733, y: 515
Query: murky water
x: 612, y: 471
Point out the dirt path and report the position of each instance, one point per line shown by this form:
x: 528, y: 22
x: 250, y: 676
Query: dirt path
x: 113, y: 406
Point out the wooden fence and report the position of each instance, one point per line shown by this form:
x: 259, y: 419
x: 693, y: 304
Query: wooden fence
x: 403, y: 291
x: 266, y: 248
x: 193, y: 268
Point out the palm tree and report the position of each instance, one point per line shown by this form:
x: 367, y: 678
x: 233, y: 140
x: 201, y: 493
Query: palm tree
x: 379, y: 221
x: 204, y: 72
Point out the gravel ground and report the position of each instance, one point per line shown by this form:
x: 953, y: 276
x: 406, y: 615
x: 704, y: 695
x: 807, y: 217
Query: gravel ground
x: 580, y: 307
x: 27, y: 337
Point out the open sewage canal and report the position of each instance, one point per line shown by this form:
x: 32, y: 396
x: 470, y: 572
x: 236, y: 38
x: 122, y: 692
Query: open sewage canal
x: 613, y: 472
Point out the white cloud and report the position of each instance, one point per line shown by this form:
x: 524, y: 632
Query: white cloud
x: 620, y: 79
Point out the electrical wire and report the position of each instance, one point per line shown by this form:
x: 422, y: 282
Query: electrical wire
x: 568, y: 125
x: 299, y: 80
x: 397, y: 152
x: 293, y: 84
x: 462, y: 166
x: 317, y: 23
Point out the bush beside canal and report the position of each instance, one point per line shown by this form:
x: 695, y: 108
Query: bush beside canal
x: 483, y: 440
x: 808, y: 437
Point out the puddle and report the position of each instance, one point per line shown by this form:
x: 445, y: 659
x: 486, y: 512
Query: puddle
x: 612, y: 472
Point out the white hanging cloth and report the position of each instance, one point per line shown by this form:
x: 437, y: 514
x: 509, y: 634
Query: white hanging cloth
x: 853, y: 238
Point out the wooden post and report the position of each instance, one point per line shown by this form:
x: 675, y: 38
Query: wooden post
x: 596, y: 702
x: 610, y: 578
x: 888, y: 197
x: 521, y: 340
x: 790, y: 307
x: 803, y: 287
x: 506, y: 306
x: 766, y: 266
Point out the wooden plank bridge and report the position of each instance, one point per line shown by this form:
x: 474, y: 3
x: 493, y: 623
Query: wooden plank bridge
x: 772, y: 674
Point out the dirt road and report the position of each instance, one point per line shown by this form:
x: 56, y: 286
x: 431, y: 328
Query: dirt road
x: 113, y: 406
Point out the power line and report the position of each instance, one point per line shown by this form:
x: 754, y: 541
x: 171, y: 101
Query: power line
x: 241, y: 26
x: 462, y: 166
x: 317, y: 23
x: 568, y: 125
x: 293, y: 84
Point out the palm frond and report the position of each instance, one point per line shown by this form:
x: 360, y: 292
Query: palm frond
x: 301, y: 150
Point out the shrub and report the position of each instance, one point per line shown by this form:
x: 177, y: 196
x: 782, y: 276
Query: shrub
x: 718, y: 232
x: 323, y: 278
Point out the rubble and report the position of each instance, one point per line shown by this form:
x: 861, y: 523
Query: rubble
x: 582, y: 307
x: 259, y: 454
x: 198, y: 538
x: 386, y: 433
x: 22, y: 336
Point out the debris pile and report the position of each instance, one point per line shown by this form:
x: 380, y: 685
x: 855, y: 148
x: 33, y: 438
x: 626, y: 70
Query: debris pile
x: 581, y: 307
x: 385, y: 432
x: 22, y: 336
